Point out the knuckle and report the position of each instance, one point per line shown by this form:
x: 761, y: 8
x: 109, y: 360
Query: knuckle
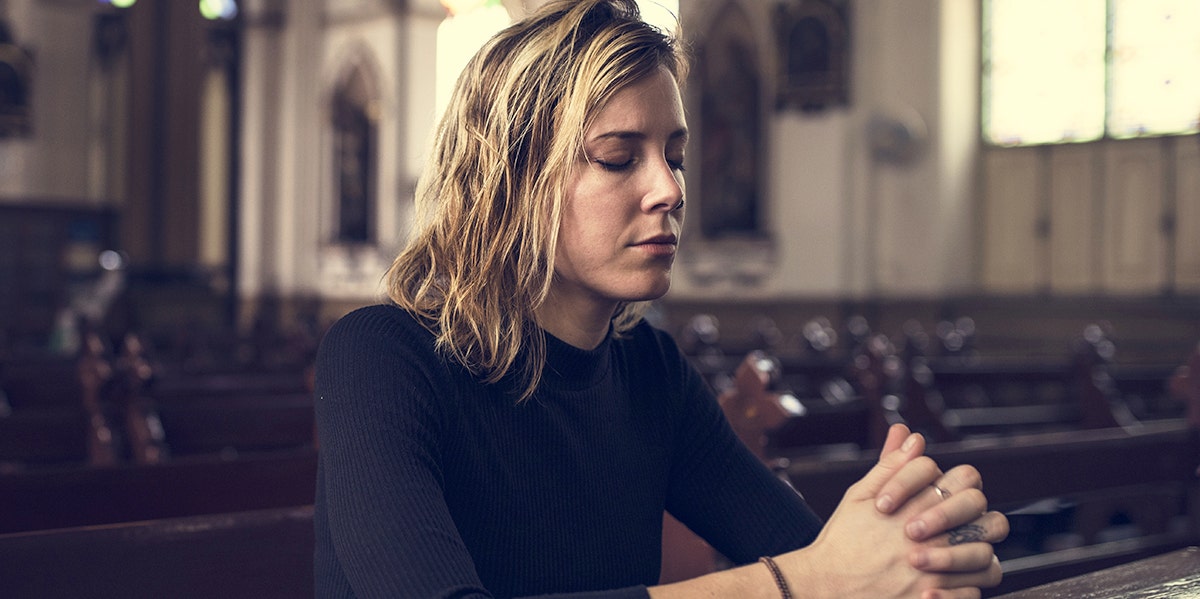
x: 999, y: 525
x: 995, y: 574
x: 975, y: 499
x: 927, y: 465
x: 968, y: 476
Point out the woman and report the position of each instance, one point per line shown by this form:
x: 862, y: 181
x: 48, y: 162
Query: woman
x: 509, y: 426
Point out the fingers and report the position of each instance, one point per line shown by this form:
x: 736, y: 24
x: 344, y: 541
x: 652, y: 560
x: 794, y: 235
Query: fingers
x: 964, y: 504
x: 961, y: 477
x: 912, y: 478
x: 889, y: 465
x: 966, y: 593
x: 959, y: 509
x: 991, y: 527
x: 949, y: 558
x: 963, y: 584
x: 896, y: 435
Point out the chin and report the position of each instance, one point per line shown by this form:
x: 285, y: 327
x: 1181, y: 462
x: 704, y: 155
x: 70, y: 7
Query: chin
x: 651, y: 291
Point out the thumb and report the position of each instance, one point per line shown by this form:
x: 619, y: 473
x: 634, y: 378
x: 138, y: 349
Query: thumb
x: 900, y: 448
x: 895, y: 438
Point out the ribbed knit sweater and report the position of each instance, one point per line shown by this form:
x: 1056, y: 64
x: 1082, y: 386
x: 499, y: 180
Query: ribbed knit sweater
x: 434, y: 484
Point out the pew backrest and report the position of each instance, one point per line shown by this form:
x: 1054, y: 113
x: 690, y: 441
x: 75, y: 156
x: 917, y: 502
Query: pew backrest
x: 256, y: 554
x: 66, y: 497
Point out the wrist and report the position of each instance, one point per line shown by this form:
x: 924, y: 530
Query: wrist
x: 809, y: 574
x: 785, y: 591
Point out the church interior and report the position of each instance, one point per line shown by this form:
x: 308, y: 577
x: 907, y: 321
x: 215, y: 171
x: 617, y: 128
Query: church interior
x: 190, y: 196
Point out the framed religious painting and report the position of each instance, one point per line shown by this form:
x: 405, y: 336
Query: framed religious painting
x: 16, y: 80
x: 814, y: 47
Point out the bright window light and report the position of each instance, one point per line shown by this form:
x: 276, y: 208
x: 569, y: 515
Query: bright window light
x: 1155, y: 67
x: 459, y: 37
x: 1078, y: 70
x: 1043, y: 82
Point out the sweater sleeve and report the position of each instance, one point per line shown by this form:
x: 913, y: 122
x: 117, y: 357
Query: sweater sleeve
x: 380, y: 484
x: 719, y: 489
x: 383, y: 526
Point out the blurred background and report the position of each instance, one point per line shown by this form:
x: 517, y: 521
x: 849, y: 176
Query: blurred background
x: 978, y: 217
x: 1032, y: 166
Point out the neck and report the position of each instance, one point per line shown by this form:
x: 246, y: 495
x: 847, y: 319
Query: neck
x: 583, y: 324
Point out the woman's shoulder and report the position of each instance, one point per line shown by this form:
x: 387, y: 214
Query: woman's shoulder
x: 385, y: 318
x: 367, y: 328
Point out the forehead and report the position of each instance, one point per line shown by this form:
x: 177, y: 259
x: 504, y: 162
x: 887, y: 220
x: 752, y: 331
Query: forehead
x: 652, y: 102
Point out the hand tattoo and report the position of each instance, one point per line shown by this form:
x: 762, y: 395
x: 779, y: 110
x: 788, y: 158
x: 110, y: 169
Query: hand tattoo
x: 967, y: 533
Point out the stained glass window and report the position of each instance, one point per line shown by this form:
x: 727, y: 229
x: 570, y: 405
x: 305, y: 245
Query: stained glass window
x: 1077, y: 70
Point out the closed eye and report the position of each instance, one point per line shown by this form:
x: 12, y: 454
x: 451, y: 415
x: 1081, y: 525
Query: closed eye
x: 615, y: 166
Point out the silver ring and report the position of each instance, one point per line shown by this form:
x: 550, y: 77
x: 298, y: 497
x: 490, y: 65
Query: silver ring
x: 944, y: 494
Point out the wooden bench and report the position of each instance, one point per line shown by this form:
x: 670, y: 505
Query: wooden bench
x: 37, y: 438
x: 54, y: 410
x: 237, y: 424
x: 191, y: 385
x: 259, y: 554
x: 40, y: 381
x: 66, y: 497
x: 219, y: 413
x: 1172, y: 574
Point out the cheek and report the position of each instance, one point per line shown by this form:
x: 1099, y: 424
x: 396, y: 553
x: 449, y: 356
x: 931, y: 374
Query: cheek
x: 591, y: 212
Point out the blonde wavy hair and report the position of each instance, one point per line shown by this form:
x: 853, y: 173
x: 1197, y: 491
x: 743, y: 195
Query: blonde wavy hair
x: 481, y: 260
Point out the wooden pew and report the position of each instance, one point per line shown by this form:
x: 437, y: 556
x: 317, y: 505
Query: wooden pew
x: 1091, y: 389
x: 1173, y: 574
x: 253, y: 554
x: 1185, y: 387
x: 55, y: 410
x: 37, y: 438
x: 65, y: 497
x: 218, y: 383
x: 40, y: 381
x: 220, y: 413
x: 237, y: 424
x: 1141, y: 448
x: 1009, y: 397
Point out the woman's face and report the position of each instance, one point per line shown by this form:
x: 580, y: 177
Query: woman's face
x: 623, y: 211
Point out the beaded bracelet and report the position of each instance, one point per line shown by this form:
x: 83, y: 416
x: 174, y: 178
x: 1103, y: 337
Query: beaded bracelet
x: 779, y: 579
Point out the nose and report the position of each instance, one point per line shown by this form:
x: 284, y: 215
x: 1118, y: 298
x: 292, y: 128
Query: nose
x: 665, y: 188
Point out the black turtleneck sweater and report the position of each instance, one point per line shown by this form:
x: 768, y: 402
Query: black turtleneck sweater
x: 433, y: 484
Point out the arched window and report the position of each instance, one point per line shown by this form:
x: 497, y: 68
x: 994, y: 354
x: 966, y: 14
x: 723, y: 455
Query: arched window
x: 16, y: 70
x: 355, y: 149
x: 730, y: 127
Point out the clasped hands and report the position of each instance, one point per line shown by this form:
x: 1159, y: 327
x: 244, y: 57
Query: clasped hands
x: 906, y: 529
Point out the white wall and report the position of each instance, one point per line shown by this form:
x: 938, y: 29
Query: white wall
x: 55, y: 162
x: 843, y: 223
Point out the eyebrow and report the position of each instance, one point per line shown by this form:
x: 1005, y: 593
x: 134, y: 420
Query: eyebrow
x: 681, y: 133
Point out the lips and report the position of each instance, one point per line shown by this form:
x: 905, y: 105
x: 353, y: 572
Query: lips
x: 665, y: 239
